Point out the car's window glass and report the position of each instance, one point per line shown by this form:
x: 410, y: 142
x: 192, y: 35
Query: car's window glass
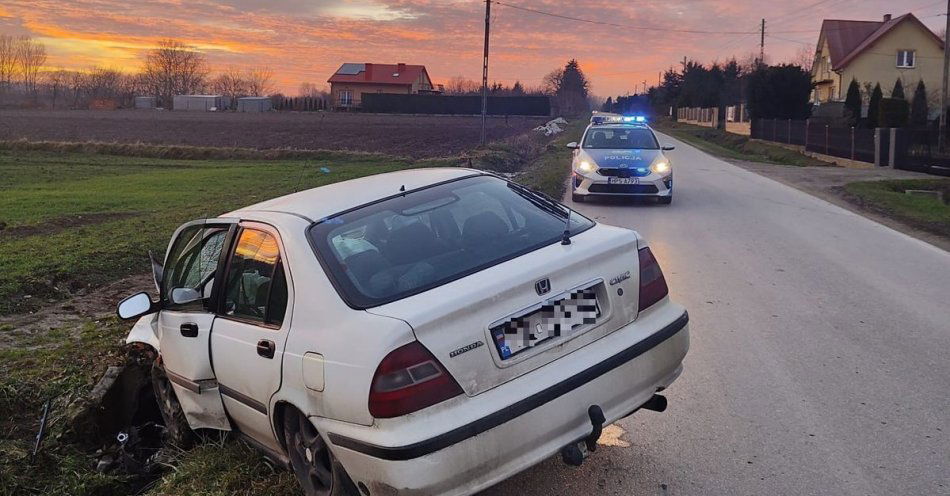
x: 621, y: 138
x: 193, y: 260
x: 256, y: 288
x: 413, y: 242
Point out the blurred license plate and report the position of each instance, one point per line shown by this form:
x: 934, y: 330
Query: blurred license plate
x: 623, y: 180
x: 552, y: 320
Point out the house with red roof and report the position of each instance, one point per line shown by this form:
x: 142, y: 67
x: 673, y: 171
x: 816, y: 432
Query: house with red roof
x: 352, y: 80
x: 873, y: 52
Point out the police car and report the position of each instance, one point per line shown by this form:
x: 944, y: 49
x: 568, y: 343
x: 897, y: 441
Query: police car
x: 619, y: 155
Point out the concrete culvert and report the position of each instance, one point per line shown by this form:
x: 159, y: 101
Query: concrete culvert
x: 121, y: 419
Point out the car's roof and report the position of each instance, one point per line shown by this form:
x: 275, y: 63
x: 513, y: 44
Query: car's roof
x: 323, y: 201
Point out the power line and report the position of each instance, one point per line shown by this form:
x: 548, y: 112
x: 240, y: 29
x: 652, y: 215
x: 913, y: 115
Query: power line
x: 619, y: 25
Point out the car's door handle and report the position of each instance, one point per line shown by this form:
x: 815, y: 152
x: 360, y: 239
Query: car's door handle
x: 265, y: 348
x: 189, y: 330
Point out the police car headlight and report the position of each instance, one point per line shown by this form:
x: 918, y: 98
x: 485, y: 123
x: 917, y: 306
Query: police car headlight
x: 661, y: 167
x: 585, y: 166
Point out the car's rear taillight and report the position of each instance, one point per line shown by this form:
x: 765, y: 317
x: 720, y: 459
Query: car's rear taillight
x: 407, y: 380
x: 652, y: 283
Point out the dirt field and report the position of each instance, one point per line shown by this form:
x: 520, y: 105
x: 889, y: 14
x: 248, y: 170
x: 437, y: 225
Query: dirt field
x: 401, y: 135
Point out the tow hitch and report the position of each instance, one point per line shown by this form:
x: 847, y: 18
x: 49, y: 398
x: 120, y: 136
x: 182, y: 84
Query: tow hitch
x: 575, y: 453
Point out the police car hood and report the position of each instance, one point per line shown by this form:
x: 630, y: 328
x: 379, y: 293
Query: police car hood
x: 620, y: 159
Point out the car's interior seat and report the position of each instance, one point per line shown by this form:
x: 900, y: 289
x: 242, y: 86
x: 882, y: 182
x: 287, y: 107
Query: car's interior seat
x: 483, y: 229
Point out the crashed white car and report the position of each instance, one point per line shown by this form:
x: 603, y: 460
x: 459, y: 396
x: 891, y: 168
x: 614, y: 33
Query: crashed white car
x: 425, y: 332
x: 619, y: 156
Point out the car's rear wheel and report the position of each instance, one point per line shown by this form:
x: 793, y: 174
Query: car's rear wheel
x: 317, y: 470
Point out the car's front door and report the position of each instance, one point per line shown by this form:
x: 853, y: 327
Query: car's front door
x: 188, y: 287
x: 247, y: 344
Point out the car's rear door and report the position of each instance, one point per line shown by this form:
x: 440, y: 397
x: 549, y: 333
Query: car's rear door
x: 247, y: 344
x: 194, y: 261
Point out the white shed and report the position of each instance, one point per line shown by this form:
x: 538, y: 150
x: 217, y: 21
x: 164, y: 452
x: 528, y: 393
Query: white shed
x: 146, y: 102
x: 254, y: 104
x: 202, y: 103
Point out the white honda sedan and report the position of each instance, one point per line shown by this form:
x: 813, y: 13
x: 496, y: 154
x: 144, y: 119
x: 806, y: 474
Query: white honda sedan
x: 431, y: 331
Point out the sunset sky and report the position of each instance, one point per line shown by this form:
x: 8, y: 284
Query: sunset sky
x: 306, y: 40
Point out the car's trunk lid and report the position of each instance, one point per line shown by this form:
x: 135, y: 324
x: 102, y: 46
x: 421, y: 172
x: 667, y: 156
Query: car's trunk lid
x: 460, y: 322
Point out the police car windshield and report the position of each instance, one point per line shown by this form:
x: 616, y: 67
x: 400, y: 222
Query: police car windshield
x: 621, y: 138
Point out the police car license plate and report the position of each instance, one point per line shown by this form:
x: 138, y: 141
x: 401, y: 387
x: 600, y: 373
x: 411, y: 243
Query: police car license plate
x: 552, y: 320
x: 623, y: 180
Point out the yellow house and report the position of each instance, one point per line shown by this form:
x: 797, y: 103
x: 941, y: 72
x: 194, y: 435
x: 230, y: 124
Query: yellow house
x: 873, y: 52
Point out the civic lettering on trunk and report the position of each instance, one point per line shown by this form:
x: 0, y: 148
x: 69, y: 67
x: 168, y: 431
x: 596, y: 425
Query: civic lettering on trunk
x: 466, y: 348
x: 621, y: 278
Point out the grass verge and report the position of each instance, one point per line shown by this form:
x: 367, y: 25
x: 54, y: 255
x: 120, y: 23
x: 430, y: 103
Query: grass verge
x: 549, y: 171
x: 73, y: 220
x: 889, y: 198
x: 734, y: 146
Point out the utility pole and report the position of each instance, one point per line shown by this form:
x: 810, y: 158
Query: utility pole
x: 762, y: 43
x: 485, y: 70
x: 946, y: 76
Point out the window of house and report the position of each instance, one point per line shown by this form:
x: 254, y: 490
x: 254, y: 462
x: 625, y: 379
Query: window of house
x: 346, y: 97
x: 256, y: 287
x: 905, y: 58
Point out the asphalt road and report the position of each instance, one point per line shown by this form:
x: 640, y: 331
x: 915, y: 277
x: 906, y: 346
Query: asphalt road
x: 819, y: 360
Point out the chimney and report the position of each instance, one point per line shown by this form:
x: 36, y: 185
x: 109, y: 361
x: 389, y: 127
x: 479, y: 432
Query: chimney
x: 368, y: 71
x: 400, y: 67
x: 887, y: 17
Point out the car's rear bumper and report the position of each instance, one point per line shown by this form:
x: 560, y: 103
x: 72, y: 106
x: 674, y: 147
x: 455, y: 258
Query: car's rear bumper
x: 618, y: 372
x: 596, y: 185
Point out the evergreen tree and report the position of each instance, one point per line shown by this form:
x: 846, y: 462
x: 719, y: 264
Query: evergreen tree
x: 517, y: 89
x: 874, y: 105
x: 898, y: 91
x: 608, y: 105
x: 918, y: 108
x: 853, y: 102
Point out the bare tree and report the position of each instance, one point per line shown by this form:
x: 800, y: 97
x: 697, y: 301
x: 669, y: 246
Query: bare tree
x: 312, y: 90
x: 174, y: 68
x: 804, y: 57
x: 75, y: 85
x: 8, y: 62
x: 459, y: 85
x: 30, y: 57
x: 259, y: 81
x: 56, y: 83
x: 230, y: 83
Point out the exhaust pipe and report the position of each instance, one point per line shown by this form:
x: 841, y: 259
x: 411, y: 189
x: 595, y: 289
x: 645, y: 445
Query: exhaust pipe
x: 656, y: 403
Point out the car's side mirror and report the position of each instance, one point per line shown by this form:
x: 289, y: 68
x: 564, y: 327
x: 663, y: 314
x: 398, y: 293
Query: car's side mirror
x: 573, y: 145
x: 668, y: 148
x: 134, y: 306
x: 180, y: 296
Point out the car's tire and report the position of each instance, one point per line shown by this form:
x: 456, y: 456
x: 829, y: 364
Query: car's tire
x: 317, y: 470
x: 665, y: 200
x: 178, y: 431
x: 576, y: 198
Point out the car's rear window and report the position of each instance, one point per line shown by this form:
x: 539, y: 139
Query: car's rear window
x: 414, y: 242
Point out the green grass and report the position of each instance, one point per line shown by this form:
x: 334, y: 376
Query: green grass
x: 550, y: 170
x: 63, y: 363
x: 224, y: 467
x: 889, y: 198
x: 73, y: 220
x: 734, y: 146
